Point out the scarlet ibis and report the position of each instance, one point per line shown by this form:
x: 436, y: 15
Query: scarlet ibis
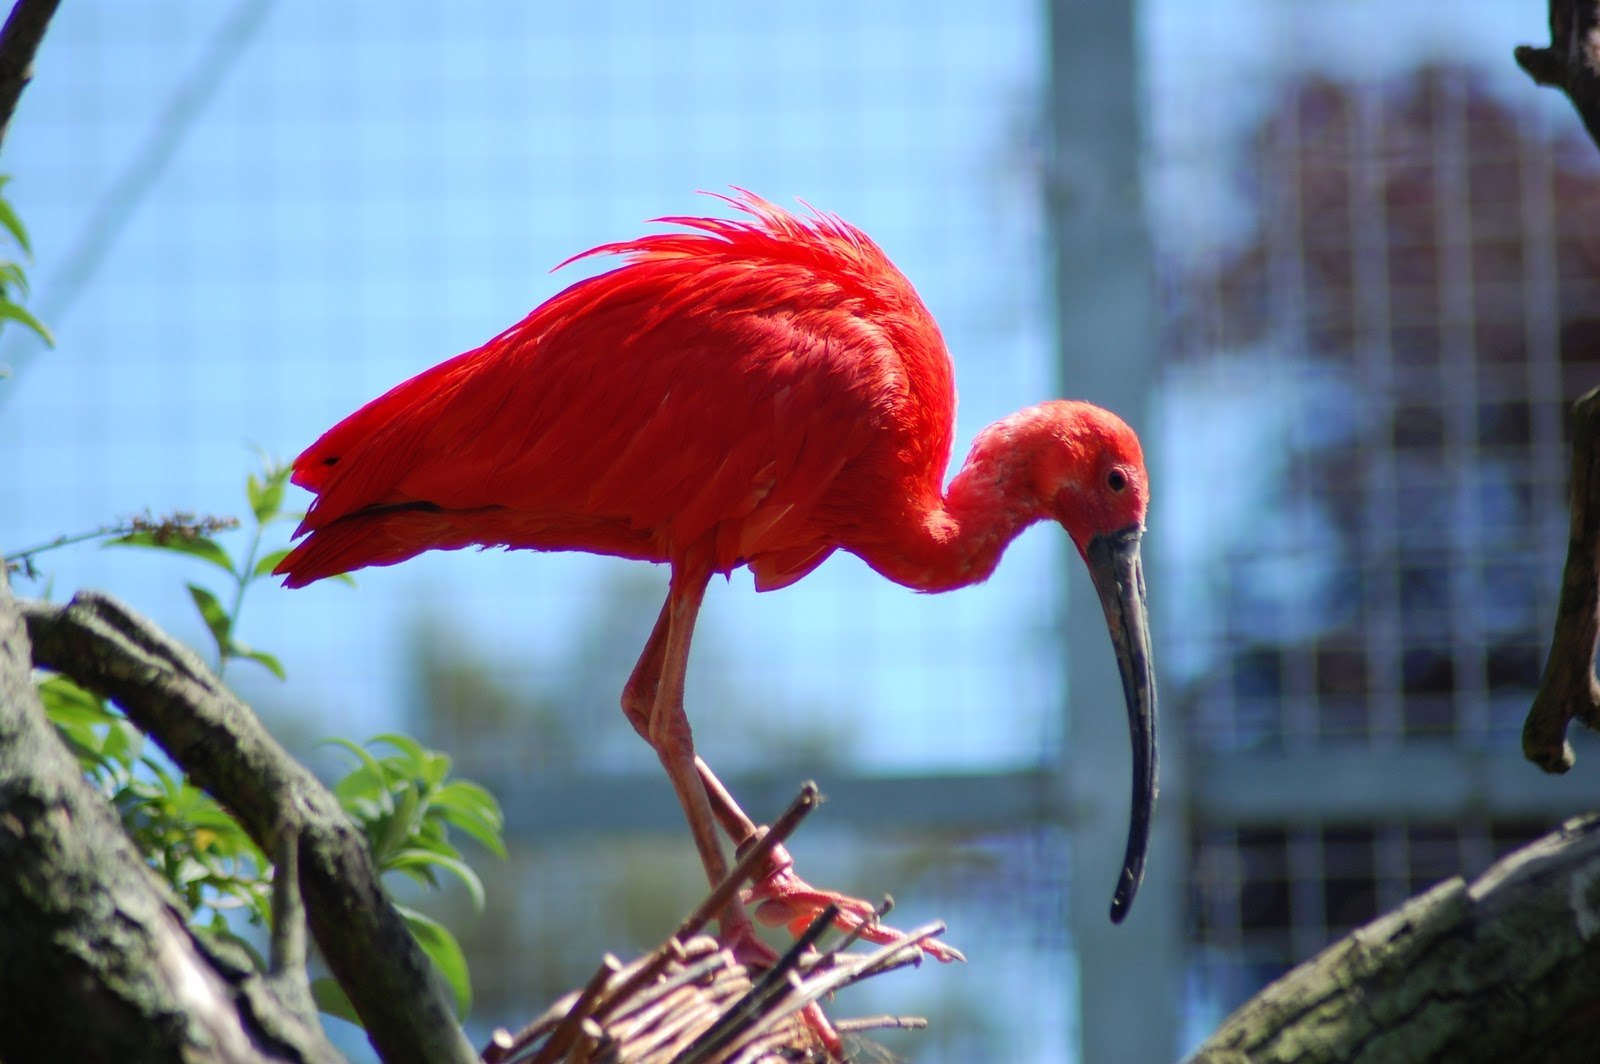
x: 758, y: 391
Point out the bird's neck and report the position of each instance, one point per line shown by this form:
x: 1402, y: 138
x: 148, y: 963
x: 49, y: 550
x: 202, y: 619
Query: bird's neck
x: 957, y: 540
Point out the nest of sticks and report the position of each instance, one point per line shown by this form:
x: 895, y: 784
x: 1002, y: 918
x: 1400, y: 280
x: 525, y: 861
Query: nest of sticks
x: 691, y: 1001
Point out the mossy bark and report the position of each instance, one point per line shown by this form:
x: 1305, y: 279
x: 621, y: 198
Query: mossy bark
x: 96, y: 960
x: 222, y: 747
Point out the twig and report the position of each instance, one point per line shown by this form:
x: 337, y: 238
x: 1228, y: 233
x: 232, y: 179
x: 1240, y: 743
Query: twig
x: 881, y: 1023
x: 619, y: 998
x: 180, y: 525
x: 677, y: 1005
x: 766, y: 989
x: 567, y: 1030
x: 714, y: 902
x: 780, y: 830
x: 19, y: 40
x: 1568, y: 687
x: 287, y: 970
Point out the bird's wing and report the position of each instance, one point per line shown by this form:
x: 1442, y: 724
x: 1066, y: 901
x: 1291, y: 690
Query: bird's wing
x: 753, y: 390
x: 670, y: 426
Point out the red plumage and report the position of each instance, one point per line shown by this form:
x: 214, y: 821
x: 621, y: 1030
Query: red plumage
x: 756, y: 392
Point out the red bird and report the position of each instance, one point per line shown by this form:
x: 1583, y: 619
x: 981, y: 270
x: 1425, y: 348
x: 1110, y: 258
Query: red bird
x: 757, y: 392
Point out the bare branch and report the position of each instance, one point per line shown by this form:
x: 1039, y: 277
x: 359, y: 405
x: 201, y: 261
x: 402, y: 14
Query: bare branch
x: 1572, y: 62
x: 20, y: 38
x: 1568, y: 687
x: 221, y: 745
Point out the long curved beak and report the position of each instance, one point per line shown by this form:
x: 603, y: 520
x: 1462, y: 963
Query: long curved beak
x: 1118, y: 575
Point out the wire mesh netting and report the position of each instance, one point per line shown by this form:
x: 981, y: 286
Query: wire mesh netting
x: 1381, y: 283
x: 252, y: 217
x: 1376, y: 266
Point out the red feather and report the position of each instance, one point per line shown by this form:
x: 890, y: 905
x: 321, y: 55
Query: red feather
x: 755, y: 392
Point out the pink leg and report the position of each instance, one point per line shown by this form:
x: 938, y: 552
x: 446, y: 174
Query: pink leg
x: 639, y: 696
x: 781, y: 896
x: 667, y: 726
x: 653, y: 703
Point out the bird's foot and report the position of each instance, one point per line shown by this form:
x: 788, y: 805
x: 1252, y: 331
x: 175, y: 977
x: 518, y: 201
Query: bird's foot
x: 739, y: 936
x: 782, y: 899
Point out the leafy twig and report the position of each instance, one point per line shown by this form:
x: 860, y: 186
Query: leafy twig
x: 176, y: 531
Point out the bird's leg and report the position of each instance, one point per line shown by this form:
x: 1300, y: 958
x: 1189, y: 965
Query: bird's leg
x: 639, y: 695
x: 782, y: 898
x: 653, y: 703
x: 668, y: 728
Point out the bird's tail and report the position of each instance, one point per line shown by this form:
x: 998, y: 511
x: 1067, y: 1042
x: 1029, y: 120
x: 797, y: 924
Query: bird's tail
x: 379, y: 535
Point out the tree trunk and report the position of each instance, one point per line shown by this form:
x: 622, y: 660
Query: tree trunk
x: 221, y: 745
x: 96, y: 961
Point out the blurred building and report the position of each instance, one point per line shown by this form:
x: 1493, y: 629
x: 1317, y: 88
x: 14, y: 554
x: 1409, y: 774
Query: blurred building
x: 1402, y: 326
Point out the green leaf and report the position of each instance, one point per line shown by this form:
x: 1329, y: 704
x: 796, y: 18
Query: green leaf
x: 67, y: 703
x: 86, y: 744
x: 474, y: 810
x: 260, y: 657
x: 415, y: 755
x: 270, y: 562
x: 266, y: 495
x: 13, y: 223
x: 123, y: 742
x: 12, y: 273
x: 399, y: 826
x: 367, y: 781
x: 20, y: 314
x: 216, y: 618
x: 330, y: 998
x: 409, y: 859
x: 441, y: 947
x: 202, y: 547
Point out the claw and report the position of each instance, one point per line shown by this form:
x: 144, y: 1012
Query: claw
x: 782, y: 899
x: 756, y: 955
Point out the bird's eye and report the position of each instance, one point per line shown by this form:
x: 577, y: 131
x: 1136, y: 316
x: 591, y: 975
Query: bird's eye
x: 1116, y: 480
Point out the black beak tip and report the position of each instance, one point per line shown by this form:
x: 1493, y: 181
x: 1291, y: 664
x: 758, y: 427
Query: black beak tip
x: 1122, y: 900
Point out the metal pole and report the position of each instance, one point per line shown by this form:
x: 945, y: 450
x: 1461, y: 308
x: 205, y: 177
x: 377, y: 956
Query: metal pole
x: 1130, y: 976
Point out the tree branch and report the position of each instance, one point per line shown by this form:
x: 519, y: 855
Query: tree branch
x: 1572, y: 62
x: 1506, y: 969
x: 19, y: 40
x: 96, y: 961
x: 1568, y: 687
x: 222, y: 746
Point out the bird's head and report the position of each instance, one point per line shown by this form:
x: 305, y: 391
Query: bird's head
x: 1086, y: 471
